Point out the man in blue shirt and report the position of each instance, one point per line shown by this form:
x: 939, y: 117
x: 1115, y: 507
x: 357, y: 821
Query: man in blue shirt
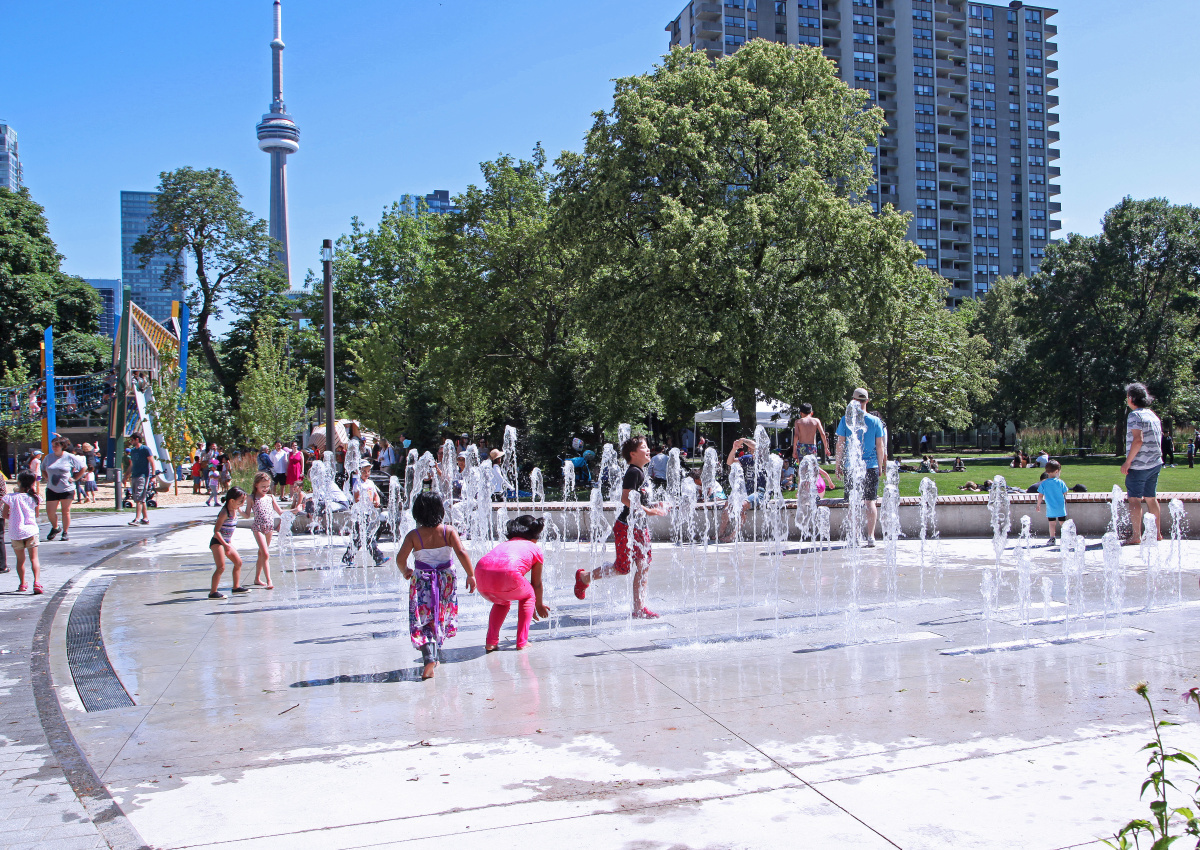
x: 874, y: 455
x: 141, y: 465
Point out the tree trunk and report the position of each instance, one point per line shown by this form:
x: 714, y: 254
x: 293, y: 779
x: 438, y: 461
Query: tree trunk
x: 1001, y: 423
x: 747, y: 407
x: 1079, y: 398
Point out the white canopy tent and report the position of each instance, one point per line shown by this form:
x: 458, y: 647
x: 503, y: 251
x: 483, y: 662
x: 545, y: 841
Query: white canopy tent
x: 768, y: 413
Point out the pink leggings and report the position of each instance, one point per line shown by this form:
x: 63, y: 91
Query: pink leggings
x: 502, y: 588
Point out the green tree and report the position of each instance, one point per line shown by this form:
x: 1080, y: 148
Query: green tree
x: 1118, y: 307
x: 379, y: 398
x: 924, y: 368
x: 35, y: 293
x: 259, y: 299
x: 724, y: 231
x: 198, y: 218
x: 15, y: 376
x: 998, y: 322
x: 272, y: 392
x: 173, y: 420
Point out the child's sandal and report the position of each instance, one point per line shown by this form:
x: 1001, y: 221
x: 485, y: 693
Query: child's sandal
x: 487, y: 648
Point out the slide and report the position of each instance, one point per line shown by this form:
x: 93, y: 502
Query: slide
x: 166, y: 474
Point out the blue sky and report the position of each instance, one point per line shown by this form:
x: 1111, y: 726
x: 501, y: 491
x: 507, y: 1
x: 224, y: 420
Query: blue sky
x: 396, y: 96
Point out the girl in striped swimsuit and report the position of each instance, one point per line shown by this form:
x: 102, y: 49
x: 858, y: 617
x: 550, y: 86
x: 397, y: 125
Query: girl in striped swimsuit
x: 221, y: 543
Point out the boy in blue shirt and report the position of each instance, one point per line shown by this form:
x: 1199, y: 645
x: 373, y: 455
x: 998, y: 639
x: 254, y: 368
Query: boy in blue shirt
x: 1053, y: 490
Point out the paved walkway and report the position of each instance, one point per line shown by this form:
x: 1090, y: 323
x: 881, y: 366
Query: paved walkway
x: 38, y: 808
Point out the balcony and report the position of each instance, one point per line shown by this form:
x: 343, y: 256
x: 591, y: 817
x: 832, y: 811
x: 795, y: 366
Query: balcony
x: 709, y: 29
x: 829, y: 34
x: 1055, y: 224
x: 1054, y: 171
x: 1055, y: 207
x: 710, y: 47
x: 1054, y: 189
x: 945, y: 9
x: 1052, y: 135
x: 955, y: 143
x: 708, y: 11
x: 1053, y: 153
x: 889, y: 162
x: 1051, y: 118
x: 1049, y: 31
x: 886, y: 68
x: 954, y: 107
x: 1051, y: 65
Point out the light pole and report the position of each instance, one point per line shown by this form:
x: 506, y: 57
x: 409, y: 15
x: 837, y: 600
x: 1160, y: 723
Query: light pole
x: 327, y: 264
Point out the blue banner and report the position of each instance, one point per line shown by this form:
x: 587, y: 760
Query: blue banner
x: 183, y: 346
x: 51, y: 418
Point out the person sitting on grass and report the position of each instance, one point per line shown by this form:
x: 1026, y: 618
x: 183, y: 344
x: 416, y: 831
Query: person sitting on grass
x: 959, y: 466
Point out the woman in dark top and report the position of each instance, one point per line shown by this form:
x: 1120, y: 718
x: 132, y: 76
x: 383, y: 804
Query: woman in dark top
x: 637, y: 455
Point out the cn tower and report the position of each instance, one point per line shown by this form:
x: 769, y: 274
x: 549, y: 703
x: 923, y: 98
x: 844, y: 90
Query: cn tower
x: 279, y: 136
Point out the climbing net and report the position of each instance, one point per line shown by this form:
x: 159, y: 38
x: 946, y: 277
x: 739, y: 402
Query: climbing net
x: 73, y: 395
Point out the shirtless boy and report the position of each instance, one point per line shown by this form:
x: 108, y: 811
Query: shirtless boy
x: 805, y: 433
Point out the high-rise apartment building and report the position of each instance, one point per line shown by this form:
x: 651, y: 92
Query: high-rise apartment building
x: 146, y: 283
x: 111, y: 304
x: 10, y: 159
x: 965, y: 88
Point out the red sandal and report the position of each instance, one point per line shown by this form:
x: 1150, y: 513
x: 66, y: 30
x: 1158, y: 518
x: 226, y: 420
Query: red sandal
x: 37, y: 589
x: 580, y: 586
x: 645, y: 614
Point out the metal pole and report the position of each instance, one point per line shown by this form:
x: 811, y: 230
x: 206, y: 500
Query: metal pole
x: 327, y: 264
x: 122, y: 387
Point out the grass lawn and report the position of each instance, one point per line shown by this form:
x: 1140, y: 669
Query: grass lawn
x: 1098, y: 474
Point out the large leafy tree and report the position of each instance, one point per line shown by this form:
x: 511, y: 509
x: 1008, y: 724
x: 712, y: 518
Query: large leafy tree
x: 272, y: 391
x: 501, y: 313
x: 923, y: 366
x: 997, y: 321
x: 1117, y: 307
x: 35, y: 293
x: 724, y: 232
x: 198, y: 217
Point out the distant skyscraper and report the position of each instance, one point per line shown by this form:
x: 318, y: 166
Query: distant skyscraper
x: 279, y: 136
x: 437, y: 202
x: 147, y: 283
x: 110, y: 305
x: 966, y: 91
x: 10, y: 159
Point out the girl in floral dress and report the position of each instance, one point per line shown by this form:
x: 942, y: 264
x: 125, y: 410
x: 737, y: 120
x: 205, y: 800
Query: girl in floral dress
x: 432, y: 595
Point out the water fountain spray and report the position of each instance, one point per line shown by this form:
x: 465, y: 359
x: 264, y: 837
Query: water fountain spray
x: 853, y: 525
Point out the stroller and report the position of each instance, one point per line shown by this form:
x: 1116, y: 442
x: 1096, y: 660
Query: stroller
x: 127, y: 498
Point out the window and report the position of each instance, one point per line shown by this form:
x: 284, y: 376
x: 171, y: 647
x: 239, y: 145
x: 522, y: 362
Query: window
x: 1033, y: 107
x: 1012, y: 36
x: 1014, y: 161
x: 752, y: 25
x: 927, y: 244
x: 734, y: 21
x: 1037, y: 253
x: 780, y: 8
x: 733, y: 42
x: 979, y: 232
x: 1036, y: 125
x: 1037, y: 233
x: 921, y: 127
x: 991, y: 177
x: 1037, y: 143
x: 1014, y: 125
x: 1015, y: 197
x: 814, y: 40
x: 1033, y: 72
x: 864, y: 20
x: 1016, y: 233
x: 922, y: 15
x: 923, y: 91
x: 868, y: 3
x: 864, y: 38
x: 1038, y: 214
x: 1017, y: 252
x: 926, y: 204
x: 922, y: 71
x: 926, y: 147
x: 1014, y: 107
x: 984, y: 212
x: 1016, y: 214
x: 1037, y: 160
x: 1032, y: 35
x: 922, y: 52
x: 1012, y: 54
x: 926, y: 224
x: 1032, y: 16
x: 860, y: 56
x: 989, y: 123
x: 809, y: 4
x: 980, y: 50
x: 983, y: 158
x: 979, y: 32
x: 1016, y: 269
x: 814, y: 23
x: 1033, y: 89
x: 925, y: 109
x: 926, y: 165
x: 864, y: 76
x: 978, y: 176
x: 1033, y: 53
x: 1012, y: 16
x: 1015, y: 179
x: 1037, y: 179
x: 926, y: 185
x: 734, y: 4
x: 922, y: 33
x: 981, y: 12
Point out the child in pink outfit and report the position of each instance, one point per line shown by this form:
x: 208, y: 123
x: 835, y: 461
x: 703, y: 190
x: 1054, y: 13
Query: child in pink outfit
x: 500, y: 575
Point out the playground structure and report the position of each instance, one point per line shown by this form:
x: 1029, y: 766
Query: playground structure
x: 143, y: 352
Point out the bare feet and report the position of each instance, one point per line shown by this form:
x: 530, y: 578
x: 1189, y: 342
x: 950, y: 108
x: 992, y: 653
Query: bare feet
x: 487, y: 648
x: 427, y: 673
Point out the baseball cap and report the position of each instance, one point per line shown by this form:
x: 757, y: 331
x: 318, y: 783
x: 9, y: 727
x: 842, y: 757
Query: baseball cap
x: 860, y: 394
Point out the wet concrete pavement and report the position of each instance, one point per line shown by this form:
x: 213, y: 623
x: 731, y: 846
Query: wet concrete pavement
x: 296, y: 718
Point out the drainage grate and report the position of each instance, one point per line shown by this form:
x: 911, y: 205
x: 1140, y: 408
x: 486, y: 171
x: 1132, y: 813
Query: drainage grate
x: 95, y: 679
